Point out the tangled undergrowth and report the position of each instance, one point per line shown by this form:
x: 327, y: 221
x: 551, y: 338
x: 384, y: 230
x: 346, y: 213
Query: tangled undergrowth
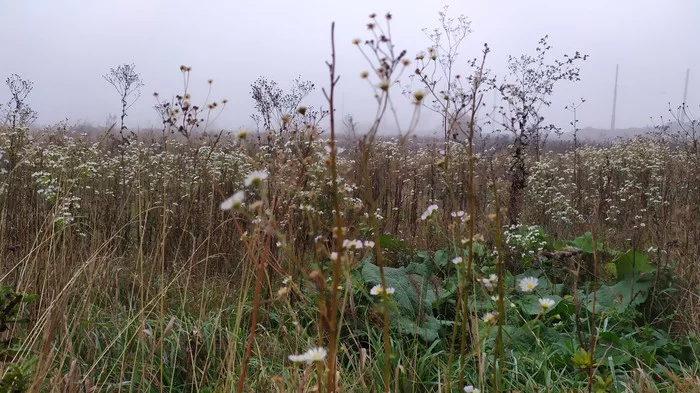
x: 300, y: 261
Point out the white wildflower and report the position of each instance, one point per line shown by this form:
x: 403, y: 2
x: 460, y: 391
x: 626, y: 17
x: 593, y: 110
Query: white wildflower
x: 378, y: 290
x: 528, y: 284
x: 428, y: 212
x: 546, y: 303
x: 255, y: 177
x: 234, y: 201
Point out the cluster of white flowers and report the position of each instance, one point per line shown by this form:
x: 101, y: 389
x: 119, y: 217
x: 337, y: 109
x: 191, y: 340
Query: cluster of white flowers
x: 357, y: 244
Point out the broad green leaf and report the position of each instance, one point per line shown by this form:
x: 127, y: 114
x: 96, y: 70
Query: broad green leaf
x: 632, y: 262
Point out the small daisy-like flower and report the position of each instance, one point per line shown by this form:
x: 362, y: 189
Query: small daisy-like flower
x: 546, y: 303
x: 316, y: 354
x: 471, y: 389
x: 297, y: 358
x: 491, y: 317
x: 334, y: 256
x: 428, y: 212
x: 378, y: 290
x: 234, y: 201
x: 369, y: 244
x: 457, y: 214
x: 255, y: 177
x: 528, y: 284
x: 493, y: 278
x: 457, y: 260
x: 487, y: 283
x: 312, y: 355
x: 338, y: 150
x: 352, y: 244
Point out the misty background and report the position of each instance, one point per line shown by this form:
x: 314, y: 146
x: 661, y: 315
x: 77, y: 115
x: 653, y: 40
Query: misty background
x: 65, y: 46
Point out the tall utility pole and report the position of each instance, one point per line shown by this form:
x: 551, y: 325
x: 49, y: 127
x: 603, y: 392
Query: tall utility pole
x: 685, y: 93
x: 612, y: 122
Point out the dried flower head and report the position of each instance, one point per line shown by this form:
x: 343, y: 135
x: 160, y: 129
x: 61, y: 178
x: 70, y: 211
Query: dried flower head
x: 384, y: 84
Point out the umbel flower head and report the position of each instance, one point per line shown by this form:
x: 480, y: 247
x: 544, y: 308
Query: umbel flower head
x: 528, y: 284
x: 234, y: 201
x: 312, y: 355
x: 254, y: 178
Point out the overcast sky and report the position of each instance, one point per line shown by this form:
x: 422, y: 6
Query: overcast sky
x: 65, y: 46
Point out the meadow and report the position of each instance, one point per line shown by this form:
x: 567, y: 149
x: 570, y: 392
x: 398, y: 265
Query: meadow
x: 313, y: 256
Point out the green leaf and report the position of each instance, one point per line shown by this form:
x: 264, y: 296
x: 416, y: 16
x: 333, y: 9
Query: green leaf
x: 413, y: 294
x: 631, y: 262
x: 630, y: 291
x: 442, y: 257
x: 585, y: 243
